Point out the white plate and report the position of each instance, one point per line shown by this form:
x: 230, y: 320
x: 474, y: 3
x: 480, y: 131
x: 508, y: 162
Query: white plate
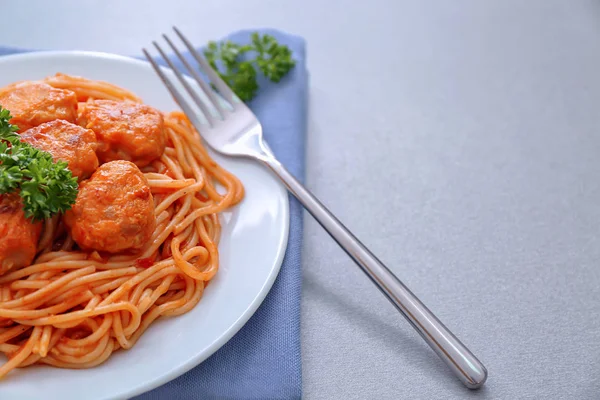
x: 252, y: 247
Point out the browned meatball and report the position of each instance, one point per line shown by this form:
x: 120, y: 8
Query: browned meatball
x: 66, y: 142
x: 114, y: 210
x: 125, y: 130
x: 33, y: 103
x: 18, y: 235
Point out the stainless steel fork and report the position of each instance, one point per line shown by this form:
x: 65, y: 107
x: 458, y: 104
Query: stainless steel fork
x: 233, y: 129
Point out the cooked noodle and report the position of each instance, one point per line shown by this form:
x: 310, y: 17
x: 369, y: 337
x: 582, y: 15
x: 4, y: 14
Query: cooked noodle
x: 74, y: 308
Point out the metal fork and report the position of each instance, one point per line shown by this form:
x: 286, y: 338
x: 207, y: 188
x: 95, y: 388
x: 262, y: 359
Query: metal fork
x: 233, y: 129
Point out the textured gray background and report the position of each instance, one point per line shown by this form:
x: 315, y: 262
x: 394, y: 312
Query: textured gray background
x: 460, y: 140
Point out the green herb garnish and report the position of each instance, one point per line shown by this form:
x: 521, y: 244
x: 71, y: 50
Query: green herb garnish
x: 46, y: 187
x: 274, y: 60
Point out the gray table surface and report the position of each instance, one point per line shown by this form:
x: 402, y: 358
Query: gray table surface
x: 460, y: 140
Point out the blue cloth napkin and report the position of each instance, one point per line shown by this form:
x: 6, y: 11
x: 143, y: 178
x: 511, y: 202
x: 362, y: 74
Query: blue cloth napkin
x: 262, y: 361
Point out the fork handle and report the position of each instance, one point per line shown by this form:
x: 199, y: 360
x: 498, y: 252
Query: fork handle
x: 460, y: 360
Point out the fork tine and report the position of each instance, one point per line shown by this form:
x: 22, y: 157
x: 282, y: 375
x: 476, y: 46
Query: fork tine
x: 183, y: 103
x: 214, y: 78
x: 207, y: 113
x: 205, y: 88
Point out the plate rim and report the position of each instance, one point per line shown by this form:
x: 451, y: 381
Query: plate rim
x: 282, y: 246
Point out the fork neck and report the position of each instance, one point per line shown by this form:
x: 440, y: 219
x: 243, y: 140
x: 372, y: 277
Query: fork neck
x: 254, y: 147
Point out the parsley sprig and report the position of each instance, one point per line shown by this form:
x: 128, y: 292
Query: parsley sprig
x: 46, y: 187
x: 274, y: 60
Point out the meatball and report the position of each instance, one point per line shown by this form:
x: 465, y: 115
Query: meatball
x: 125, y: 130
x: 19, y: 236
x: 33, y: 103
x: 114, y: 210
x: 66, y: 142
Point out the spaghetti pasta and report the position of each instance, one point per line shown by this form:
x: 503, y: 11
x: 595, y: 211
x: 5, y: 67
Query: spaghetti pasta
x: 73, y: 308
